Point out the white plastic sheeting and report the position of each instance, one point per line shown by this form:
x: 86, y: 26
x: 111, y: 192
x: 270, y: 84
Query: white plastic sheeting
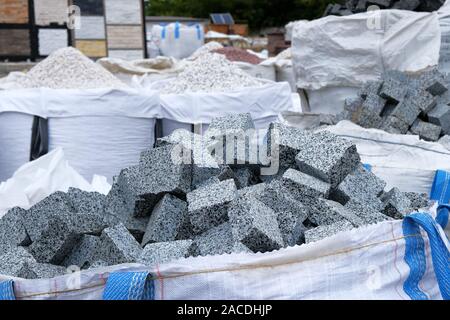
x: 335, y: 53
x: 101, y: 130
x: 38, y: 179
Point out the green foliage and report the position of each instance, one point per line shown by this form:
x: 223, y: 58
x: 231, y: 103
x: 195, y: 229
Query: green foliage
x: 258, y: 13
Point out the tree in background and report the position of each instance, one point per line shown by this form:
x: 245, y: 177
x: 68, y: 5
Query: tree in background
x: 258, y: 13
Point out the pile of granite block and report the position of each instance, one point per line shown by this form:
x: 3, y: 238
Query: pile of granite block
x: 358, y: 6
x: 403, y: 103
x: 182, y: 201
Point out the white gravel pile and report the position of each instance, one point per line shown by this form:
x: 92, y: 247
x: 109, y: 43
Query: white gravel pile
x: 207, y: 47
x: 210, y: 72
x: 68, y: 68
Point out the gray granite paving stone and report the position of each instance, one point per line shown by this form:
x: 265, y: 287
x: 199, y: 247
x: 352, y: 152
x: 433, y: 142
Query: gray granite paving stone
x: 370, y: 87
x: 361, y: 185
x: 164, y: 252
x: 366, y: 213
x: 394, y: 125
x: 418, y: 200
x: 118, y: 246
x: 322, y: 232
x: 393, y: 90
x: 285, y: 142
x: 17, y: 263
x: 298, y: 182
x: 244, y: 177
x: 426, y: 131
x: 440, y: 116
x: 207, y: 206
x: 86, y: 202
x: 374, y: 103
x: 98, y: 264
x: 47, y: 271
x: 166, y: 221
x: 255, y: 225
x: 12, y: 230
x: 83, y: 255
x: 328, y: 157
x: 397, y: 205
x: 407, y: 111
x: 216, y: 241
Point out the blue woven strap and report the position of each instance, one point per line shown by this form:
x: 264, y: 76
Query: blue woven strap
x: 7, y: 290
x: 368, y: 167
x: 163, y: 32
x: 440, y: 191
x: 177, y: 30
x: 199, y: 32
x: 129, y: 286
x: 415, y: 255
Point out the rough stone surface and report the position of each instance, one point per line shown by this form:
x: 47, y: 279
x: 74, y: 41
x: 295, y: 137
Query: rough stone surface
x: 406, y: 111
x: 12, y: 230
x: 85, y: 202
x: 440, y: 116
x: 166, y: 221
x: 118, y: 246
x: 445, y: 141
x: 255, y: 225
x: 244, y: 177
x: 397, y: 205
x: 374, y: 103
x: 207, y: 206
x: 361, y: 185
x: 418, y: 200
x: 367, y: 214
x: 17, y: 263
x: 47, y: 271
x: 326, y: 231
x: 83, y: 255
x: 327, y: 157
x: 426, y: 131
x: 163, y: 252
x: 393, y: 90
x: 216, y: 241
x: 298, y: 182
x: 394, y: 125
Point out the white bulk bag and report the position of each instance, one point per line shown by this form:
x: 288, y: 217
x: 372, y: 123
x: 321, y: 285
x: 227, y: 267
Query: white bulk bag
x: 348, y: 51
x: 101, y: 131
x: 260, y: 71
x: 392, y: 260
x: 285, y: 72
x: 178, y: 40
x: 403, y: 161
x: 264, y: 103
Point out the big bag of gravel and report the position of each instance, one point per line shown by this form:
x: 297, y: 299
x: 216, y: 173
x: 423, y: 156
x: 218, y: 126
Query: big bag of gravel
x: 333, y: 56
x: 100, y: 130
x: 264, y: 103
x: 399, y: 260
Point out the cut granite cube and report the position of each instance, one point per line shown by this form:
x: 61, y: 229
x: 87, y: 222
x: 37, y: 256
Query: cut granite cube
x: 36, y: 218
x: 370, y: 88
x: 255, y: 225
x: 426, y: 131
x: 98, y: 264
x: 418, y: 200
x: 322, y: 232
x: 367, y: 118
x: 255, y: 190
x: 325, y: 212
x: 12, y: 230
x: 240, y: 248
x: 164, y: 252
x: 207, y: 206
x: 407, y: 111
x: 374, y: 103
x: 445, y: 141
x: 393, y: 90
x: 118, y: 246
x: 47, y: 271
x: 367, y: 214
x: 394, y: 125
x: 328, y: 157
x: 291, y: 227
x: 434, y: 82
x: 298, y: 182
x: 235, y: 132
x: 83, y: 255
x: 424, y: 100
x: 361, y: 185
x: 285, y: 142
x: 167, y: 220
x: 410, y: 5
x: 17, y: 262
x: 216, y: 241
x: 55, y: 241
x: 86, y: 202
x: 440, y: 116
x: 397, y: 205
